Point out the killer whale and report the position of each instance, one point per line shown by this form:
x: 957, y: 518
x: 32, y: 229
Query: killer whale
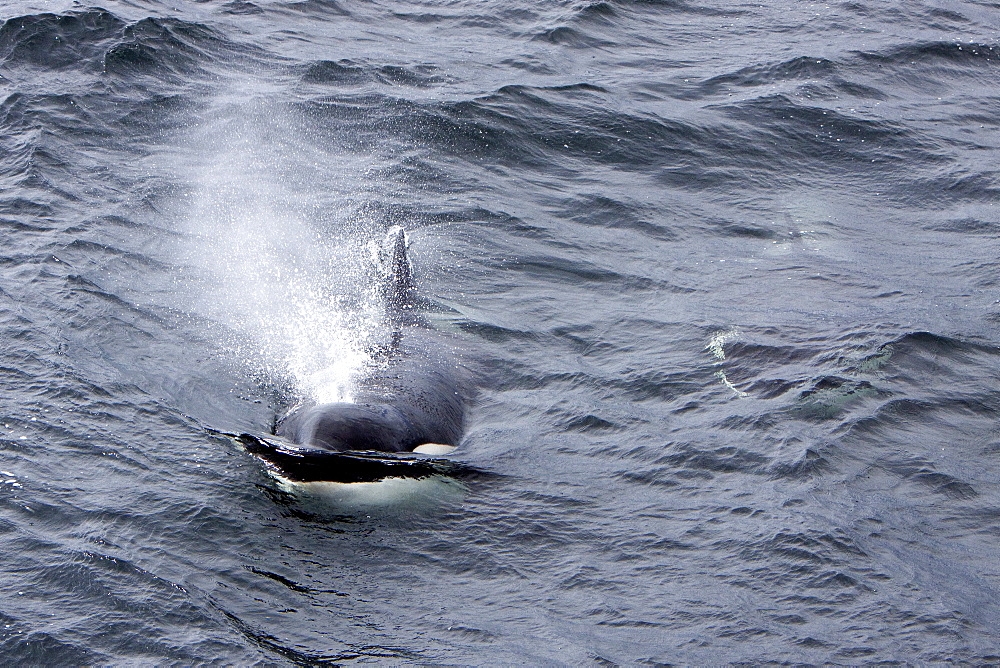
x: 412, y: 399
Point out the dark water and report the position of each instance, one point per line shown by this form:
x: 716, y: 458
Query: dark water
x: 733, y: 266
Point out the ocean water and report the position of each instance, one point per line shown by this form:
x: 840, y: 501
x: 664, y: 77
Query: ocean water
x: 731, y: 268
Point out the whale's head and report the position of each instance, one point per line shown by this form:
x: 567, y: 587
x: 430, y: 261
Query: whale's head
x: 343, y: 427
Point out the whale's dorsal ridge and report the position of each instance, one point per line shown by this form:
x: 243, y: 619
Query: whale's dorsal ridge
x: 396, y: 272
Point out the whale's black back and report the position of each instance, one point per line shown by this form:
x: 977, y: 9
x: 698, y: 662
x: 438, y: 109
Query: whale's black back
x: 426, y: 380
x: 416, y: 390
x: 416, y: 394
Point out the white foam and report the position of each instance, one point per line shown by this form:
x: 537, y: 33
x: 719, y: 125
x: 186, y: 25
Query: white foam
x: 389, y: 493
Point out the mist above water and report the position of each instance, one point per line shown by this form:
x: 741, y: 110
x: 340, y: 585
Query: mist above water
x: 297, y: 298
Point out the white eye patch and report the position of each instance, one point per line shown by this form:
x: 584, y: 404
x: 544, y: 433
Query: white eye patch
x: 434, y: 449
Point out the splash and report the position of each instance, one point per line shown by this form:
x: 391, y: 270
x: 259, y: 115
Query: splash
x: 717, y: 346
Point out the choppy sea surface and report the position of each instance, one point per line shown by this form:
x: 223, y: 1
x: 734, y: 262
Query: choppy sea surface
x: 732, y: 269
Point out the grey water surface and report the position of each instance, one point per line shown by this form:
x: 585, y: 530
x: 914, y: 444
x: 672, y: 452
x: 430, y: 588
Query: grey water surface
x: 731, y: 269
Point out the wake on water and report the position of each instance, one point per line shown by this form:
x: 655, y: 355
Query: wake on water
x: 387, y: 496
